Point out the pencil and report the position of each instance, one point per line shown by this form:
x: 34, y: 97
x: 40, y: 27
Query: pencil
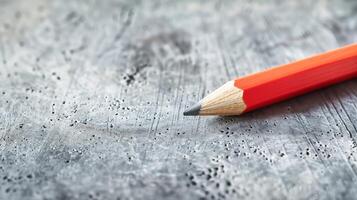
x: 279, y: 83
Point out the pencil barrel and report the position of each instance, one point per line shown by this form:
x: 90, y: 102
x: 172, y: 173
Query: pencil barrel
x: 297, y: 78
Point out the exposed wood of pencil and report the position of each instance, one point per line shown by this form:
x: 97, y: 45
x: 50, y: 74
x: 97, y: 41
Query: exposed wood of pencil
x: 226, y: 100
x: 279, y: 83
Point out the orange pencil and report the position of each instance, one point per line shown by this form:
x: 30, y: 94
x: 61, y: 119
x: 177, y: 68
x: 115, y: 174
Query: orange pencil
x: 279, y: 83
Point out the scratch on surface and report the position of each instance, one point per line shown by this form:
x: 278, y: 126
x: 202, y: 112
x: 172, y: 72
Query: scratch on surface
x: 336, y: 141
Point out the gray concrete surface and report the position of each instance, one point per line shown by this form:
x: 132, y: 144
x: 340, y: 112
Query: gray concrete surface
x: 92, y: 95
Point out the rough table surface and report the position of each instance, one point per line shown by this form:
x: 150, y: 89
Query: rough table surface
x: 92, y: 95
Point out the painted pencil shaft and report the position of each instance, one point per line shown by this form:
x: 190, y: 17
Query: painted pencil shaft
x: 286, y: 81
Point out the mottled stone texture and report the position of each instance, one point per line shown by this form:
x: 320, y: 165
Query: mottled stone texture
x: 92, y: 95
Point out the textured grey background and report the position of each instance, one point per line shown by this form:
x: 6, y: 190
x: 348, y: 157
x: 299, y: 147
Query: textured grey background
x: 92, y: 95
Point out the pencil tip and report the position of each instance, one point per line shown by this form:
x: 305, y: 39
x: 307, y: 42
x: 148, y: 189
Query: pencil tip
x: 192, y: 111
